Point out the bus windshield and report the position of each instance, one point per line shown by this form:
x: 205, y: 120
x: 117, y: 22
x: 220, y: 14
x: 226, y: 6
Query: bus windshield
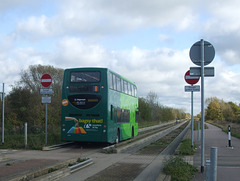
x: 85, y: 77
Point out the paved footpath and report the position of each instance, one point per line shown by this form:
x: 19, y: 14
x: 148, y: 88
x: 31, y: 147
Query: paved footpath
x: 228, y: 163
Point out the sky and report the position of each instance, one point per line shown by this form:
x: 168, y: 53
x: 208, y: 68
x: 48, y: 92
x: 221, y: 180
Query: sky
x: 148, y: 42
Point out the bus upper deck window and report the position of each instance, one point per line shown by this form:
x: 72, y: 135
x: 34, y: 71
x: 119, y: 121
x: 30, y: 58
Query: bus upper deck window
x: 82, y: 76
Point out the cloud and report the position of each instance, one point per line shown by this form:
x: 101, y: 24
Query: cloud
x: 7, y: 5
x: 70, y: 33
x: 74, y: 52
x: 101, y: 18
x: 35, y: 28
x: 222, y: 28
x: 161, y: 65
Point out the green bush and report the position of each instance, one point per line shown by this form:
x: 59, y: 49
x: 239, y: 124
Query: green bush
x: 178, y: 169
x: 186, y: 148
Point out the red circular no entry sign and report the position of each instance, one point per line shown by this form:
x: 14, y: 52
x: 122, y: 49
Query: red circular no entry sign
x: 191, y: 79
x: 46, y: 80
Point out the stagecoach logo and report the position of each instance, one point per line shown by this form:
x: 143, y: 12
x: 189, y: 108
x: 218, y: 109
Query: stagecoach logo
x: 87, y: 126
x: 64, y: 102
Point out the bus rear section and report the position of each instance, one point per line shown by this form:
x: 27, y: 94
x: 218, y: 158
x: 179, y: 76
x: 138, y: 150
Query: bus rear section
x: 84, y: 102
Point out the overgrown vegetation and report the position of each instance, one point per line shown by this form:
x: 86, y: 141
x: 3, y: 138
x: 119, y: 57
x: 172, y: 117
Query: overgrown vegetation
x: 23, y: 104
x: 152, y: 113
x: 159, y: 145
x: 186, y: 148
x: 219, y: 110
x: 222, y: 114
x: 179, y: 169
x: 235, y: 127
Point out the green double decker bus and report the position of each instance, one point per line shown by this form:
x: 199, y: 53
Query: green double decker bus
x: 98, y: 105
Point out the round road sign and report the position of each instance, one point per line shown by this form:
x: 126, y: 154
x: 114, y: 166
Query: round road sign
x: 195, y: 53
x: 191, y: 79
x: 46, y: 80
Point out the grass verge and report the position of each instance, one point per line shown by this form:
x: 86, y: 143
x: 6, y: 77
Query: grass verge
x: 235, y: 128
x: 35, y: 141
x: 179, y: 169
x: 186, y: 148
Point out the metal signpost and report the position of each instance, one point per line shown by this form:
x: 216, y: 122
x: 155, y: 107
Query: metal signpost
x: 46, y: 81
x: 191, y: 80
x: 202, y: 53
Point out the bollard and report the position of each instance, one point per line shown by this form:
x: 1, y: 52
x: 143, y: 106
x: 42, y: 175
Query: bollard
x: 229, y: 136
x: 213, y: 165
x: 208, y: 163
x: 25, y: 138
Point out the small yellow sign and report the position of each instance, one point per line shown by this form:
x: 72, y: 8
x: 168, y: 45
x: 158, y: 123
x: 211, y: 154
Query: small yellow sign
x: 64, y: 102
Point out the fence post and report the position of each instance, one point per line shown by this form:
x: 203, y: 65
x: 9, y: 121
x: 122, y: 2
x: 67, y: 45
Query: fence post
x: 25, y: 138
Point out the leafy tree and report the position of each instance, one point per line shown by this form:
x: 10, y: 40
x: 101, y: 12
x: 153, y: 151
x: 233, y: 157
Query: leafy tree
x: 219, y: 110
x: 144, y: 109
x: 151, y: 110
x: 214, y: 111
x: 25, y: 99
x: 236, y: 111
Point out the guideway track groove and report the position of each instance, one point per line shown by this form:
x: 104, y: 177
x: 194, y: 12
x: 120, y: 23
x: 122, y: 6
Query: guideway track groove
x: 146, y: 140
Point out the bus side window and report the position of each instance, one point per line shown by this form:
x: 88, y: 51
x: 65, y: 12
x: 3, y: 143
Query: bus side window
x: 132, y: 90
x: 127, y: 115
x: 122, y: 87
x: 110, y: 80
x: 129, y: 89
x: 136, y: 116
x: 125, y: 87
x: 118, y: 84
x: 114, y: 82
x: 135, y: 91
x: 115, y: 115
x: 119, y: 115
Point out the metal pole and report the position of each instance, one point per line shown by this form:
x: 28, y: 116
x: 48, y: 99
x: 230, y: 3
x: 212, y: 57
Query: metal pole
x: 192, y: 117
x: 3, y: 115
x: 202, y: 106
x: 25, y: 131
x: 46, y: 126
x: 213, y: 166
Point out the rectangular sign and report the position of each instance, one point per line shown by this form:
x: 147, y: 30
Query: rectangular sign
x: 46, y: 99
x: 46, y: 91
x: 195, y: 88
x: 196, y: 71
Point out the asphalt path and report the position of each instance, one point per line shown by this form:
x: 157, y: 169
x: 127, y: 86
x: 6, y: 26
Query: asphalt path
x: 228, y: 162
